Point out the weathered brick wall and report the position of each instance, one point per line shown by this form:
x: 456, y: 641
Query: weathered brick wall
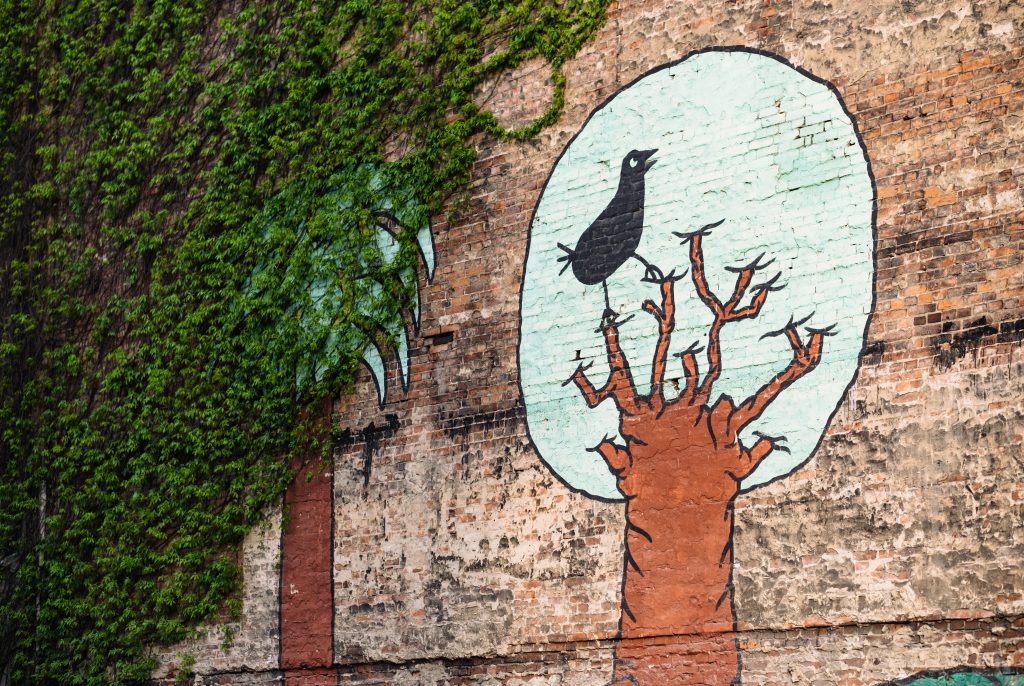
x: 459, y: 558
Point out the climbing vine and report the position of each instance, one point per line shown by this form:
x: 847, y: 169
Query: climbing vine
x: 189, y: 196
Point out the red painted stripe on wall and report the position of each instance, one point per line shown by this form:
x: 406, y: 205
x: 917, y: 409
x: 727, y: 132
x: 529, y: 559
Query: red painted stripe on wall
x: 307, y: 596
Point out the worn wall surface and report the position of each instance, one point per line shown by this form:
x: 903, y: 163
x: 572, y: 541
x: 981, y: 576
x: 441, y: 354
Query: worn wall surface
x: 460, y: 557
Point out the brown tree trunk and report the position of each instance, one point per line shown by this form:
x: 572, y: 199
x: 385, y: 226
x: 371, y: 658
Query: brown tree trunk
x: 677, y: 577
x: 679, y: 468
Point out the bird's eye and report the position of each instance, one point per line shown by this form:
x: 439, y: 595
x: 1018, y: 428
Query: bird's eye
x: 633, y: 161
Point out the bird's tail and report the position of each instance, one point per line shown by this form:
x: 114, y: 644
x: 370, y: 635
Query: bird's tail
x: 567, y: 257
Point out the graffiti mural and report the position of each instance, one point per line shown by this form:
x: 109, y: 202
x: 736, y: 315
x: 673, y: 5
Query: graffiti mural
x: 717, y: 216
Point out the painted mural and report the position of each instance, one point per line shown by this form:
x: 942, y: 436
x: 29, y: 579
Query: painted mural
x: 689, y: 326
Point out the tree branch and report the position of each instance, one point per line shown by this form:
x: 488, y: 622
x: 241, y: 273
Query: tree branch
x: 728, y: 311
x: 665, y: 316
x: 617, y: 457
x: 805, y: 359
x: 754, y: 456
x: 690, y: 372
x: 699, y: 276
x: 619, y: 386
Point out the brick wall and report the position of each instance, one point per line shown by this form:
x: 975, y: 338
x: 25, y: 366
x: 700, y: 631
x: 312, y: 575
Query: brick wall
x: 460, y: 558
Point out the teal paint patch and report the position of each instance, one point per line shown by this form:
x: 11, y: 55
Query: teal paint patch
x: 741, y: 137
x: 375, y: 363
x: 319, y: 261
x: 965, y: 677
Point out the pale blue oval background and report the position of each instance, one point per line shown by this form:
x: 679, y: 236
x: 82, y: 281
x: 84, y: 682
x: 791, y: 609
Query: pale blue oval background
x: 743, y: 137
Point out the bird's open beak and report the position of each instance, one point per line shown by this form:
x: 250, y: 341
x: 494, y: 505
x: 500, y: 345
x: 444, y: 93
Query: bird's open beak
x: 649, y: 157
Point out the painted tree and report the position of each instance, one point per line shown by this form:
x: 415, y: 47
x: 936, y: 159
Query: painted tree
x: 679, y: 467
x: 702, y: 381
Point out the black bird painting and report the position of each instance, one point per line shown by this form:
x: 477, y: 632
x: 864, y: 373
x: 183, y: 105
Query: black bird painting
x: 614, y: 236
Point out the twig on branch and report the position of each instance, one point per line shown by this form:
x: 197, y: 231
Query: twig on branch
x: 617, y: 457
x: 752, y: 457
x: 689, y: 360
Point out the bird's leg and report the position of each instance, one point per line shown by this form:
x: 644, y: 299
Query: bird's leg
x: 651, y: 273
x: 610, y: 318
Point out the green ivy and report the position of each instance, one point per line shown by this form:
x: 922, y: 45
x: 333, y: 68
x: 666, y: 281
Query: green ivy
x: 169, y: 175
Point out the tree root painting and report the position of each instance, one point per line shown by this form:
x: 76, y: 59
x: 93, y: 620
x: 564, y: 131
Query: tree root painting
x: 679, y: 467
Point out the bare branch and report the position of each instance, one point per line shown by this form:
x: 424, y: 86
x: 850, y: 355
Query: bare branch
x: 789, y: 329
x: 805, y: 359
x: 619, y: 386
x: 751, y: 458
x: 617, y: 457
x: 718, y: 422
x: 665, y: 315
x: 744, y: 276
x: 689, y: 360
x: 714, y: 362
x: 700, y: 282
x: 729, y: 311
